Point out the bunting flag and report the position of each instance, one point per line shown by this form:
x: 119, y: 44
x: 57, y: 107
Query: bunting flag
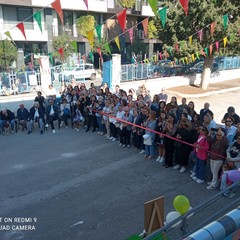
x: 117, y: 42
x: 61, y: 51
x: 186, y: 60
x: 107, y: 47
x: 57, y: 7
x: 20, y: 26
x: 9, y: 36
x: 182, y: 44
x: 193, y: 57
x: 86, y: 3
x: 225, y: 21
x: 190, y: 40
x: 206, y: 51
x: 130, y: 32
x: 74, y: 45
x: 153, y: 5
x: 163, y: 16
x: 91, y: 56
x: 212, y: 27
x: 145, y: 26
x: 231, y: 40
x: 38, y: 17
x: 50, y: 55
x: 211, y: 49
x: 90, y: 37
x: 224, y: 42
x: 176, y: 47
x: 99, y: 32
x: 170, y: 50
x: 200, y: 34
x: 203, y: 53
x: 217, y: 45
x: 197, y: 55
x: 184, y: 4
x: 122, y: 19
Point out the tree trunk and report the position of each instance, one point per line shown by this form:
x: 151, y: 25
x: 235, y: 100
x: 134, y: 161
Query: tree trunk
x: 205, y: 78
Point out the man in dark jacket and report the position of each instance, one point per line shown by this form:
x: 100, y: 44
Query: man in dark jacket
x: 7, y: 117
x: 22, y: 116
x: 52, y: 112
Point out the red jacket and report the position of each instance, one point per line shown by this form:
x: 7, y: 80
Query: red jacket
x: 202, y: 150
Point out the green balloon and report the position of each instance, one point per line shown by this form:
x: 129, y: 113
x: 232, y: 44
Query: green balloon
x: 181, y: 204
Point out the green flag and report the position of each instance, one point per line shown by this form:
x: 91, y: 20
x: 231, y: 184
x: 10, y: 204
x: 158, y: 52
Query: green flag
x: 153, y: 5
x: 170, y: 50
x: 51, y: 58
x: 107, y: 47
x: 99, y: 32
x: 163, y: 16
x: 74, y: 45
x: 206, y: 51
x: 225, y: 21
x: 38, y: 17
x: 91, y: 56
x: 197, y: 54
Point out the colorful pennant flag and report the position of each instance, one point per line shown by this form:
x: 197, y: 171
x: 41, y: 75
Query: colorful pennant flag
x: 38, y: 17
x: 9, y: 36
x: 184, y: 4
x: 130, y: 32
x: 186, y: 60
x: 145, y: 26
x: 163, y: 16
x: 153, y: 5
x: 206, y: 51
x: 107, y: 47
x: 57, y: 7
x: 90, y: 37
x: 176, y: 47
x: 61, y: 51
x: 217, y: 45
x: 193, y: 57
x: 197, y: 55
x: 212, y: 27
x: 50, y: 55
x: 74, y: 45
x: 190, y: 40
x: 20, y: 26
x: 203, y: 53
x: 99, y: 32
x: 224, y: 42
x: 160, y: 56
x: 117, y: 42
x: 211, y: 49
x: 122, y: 19
x: 91, y: 56
x: 225, y: 21
x: 86, y: 3
x: 200, y: 34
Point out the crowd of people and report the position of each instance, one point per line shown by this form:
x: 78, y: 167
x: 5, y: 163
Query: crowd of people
x: 172, y: 134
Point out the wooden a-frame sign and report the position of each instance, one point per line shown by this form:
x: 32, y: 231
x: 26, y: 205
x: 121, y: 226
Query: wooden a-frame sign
x: 154, y: 214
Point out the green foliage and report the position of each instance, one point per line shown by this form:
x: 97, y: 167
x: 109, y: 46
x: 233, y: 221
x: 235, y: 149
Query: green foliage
x: 138, y: 47
x: 63, y: 41
x: 201, y: 14
x: 152, y: 30
x: 127, y: 3
x: 85, y: 24
x: 8, y: 53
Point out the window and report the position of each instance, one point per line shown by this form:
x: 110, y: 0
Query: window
x: 25, y: 14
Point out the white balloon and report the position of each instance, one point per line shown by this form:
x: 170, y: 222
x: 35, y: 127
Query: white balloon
x: 172, y: 216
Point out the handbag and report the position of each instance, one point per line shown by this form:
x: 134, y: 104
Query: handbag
x: 66, y: 111
x: 147, y: 140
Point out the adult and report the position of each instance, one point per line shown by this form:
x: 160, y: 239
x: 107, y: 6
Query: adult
x: 172, y: 106
x: 36, y: 115
x: 41, y: 100
x: 163, y: 96
x: 231, y: 113
x: 230, y: 129
x: 7, y: 118
x: 92, y: 119
x: 181, y: 107
x: 65, y: 113
x: 22, y: 116
x: 201, y: 150
x: 205, y: 110
x: 51, y: 92
x: 191, y: 107
x: 219, y: 144
x: 233, y: 153
x: 52, y: 112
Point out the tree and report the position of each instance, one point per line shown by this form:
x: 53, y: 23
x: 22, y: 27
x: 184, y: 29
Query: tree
x: 127, y: 3
x: 152, y: 30
x: 85, y: 24
x: 8, y: 53
x: 63, y: 41
x: 201, y: 14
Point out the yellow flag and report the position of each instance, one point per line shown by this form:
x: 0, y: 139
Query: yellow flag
x: 193, y: 57
x: 190, y: 40
x: 90, y: 37
x: 155, y: 58
x: 186, y: 60
x: 117, y: 42
x: 224, y: 42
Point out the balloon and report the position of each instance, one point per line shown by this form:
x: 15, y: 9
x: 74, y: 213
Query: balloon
x: 171, y: 217
x: 234, y: 175
x: 181, y: 204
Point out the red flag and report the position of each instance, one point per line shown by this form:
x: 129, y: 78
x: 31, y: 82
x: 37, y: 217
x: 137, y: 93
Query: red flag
x: 217, y: 45
x: 177, y: 47
x: 184, y: 4
x: 212, y: 27
x: 122, y: 19
x: 57, y: 7
x: 200, y: 34
x: 160, y: 55
x: 130, y: 32
x: 86, y: 3
x: 145, y: 26
x: 210, y: 49
x: 61, y: 51
x: 99, y: 52
x: 203, y: 53
x: 20, y: 26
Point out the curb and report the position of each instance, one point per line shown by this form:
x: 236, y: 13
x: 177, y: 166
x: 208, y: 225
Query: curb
x: 203, y: 94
